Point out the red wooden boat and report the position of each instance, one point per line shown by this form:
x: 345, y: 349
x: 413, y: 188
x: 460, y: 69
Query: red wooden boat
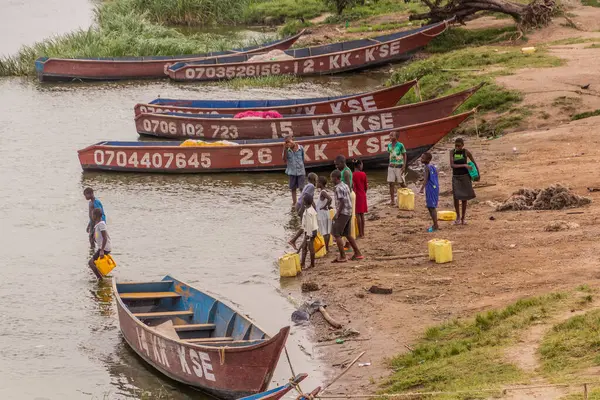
x: 196, y: 339
x: 375, y: 100
x: 211, y: 126
x: 261, y: 155
x: 319, y: 60
x: 101, y: 69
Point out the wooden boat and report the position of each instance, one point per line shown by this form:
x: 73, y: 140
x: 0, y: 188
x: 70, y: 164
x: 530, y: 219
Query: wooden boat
x: 374, y: 100
x: 209, y: 126
x: 278, y: 392
x: 319, y: 60
x: 261, y: 155
x: 196, y: 339
x: 102, y: 69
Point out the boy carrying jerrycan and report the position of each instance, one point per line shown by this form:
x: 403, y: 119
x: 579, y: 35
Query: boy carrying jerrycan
x: 101, y: 262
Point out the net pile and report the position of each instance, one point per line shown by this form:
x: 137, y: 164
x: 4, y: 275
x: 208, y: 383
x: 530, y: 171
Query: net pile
x: 554, y: 197
x: 273, y: 55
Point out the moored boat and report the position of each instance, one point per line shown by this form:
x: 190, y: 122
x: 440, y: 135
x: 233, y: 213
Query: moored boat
x: 318, y: 60
x: 210, y: 126
x: 374, y: 100
x: 261, y: 155
x: 278, y: 392
x: 103, y: 69
x: 195, y: 339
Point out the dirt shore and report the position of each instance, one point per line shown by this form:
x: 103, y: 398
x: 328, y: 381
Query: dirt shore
x: 503, y: 256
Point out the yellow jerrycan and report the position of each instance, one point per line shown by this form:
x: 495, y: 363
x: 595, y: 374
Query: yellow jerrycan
x: 406, y: 199
x: 289, y: 265
x: 446, y: 215
x: 443, y: 251
x: 431, y: 248
x: 105, y: 264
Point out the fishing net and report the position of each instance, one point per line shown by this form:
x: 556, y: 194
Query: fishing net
x: 554, y: 197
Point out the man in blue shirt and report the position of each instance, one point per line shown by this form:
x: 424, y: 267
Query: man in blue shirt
x: 293, y: 155
x: 93, y: 204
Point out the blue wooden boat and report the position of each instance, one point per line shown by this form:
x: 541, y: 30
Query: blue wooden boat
x: 278, y: 392
x: 195, y: 339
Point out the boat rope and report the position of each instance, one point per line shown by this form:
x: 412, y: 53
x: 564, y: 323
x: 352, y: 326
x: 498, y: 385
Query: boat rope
x: 437, y: 34
x: 294, y: 384
x: 222, y: 355
x: 584, y: 385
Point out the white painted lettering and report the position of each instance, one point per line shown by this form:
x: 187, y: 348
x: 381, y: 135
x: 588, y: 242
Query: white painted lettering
x: 357, y: 123
x: 385, y: 140
x: 310, y: 110
x: 387, y: 122
x: 306, y: 148
x: 333, y: 126
x: 318, y: 127
x: 368, y: 103
x: 320, y: 152
x: 354, y: 105
x: 145, y: 343
x: 333, y: 61
x: 384, y: 50
x: 346, y: 60
x: 369, y: 54
x: 207, y: 366
x: 155, y: 349
x: 336, y: 108
x: 264, y: 156
x: 372, y: 145
x: 373, y: 122
x: 184, y: 365
x: 163, y: 352
x: 196, y: 364
x: 353, y: 148
x: 395, y: 48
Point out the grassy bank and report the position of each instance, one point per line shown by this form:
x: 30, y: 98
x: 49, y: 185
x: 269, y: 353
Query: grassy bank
x: 116, y: 32
x: 445, y: 71
x: 467, y: 356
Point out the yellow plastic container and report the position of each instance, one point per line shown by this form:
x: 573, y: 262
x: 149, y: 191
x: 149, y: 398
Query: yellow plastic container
x: 528, y: 50
x: 447, y: 215
x: 105, y: 264
x: 319, y: 242
x: 331, y: 213
x: 406, y: 199
x: 289, y: 265
x: 443, y: 251
x: 321, y: 253
x: 353, y: 199
x: 431, y: 248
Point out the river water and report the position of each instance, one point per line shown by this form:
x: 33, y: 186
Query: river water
x: 223, y: 233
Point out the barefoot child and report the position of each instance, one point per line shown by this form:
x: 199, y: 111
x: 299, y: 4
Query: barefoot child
x: 431, y: 187
x: 462, y: 187
x: 359, y: 181
x: 343, y: 218
x: 310, y: 227
x: 307, y: 191
x: 93, y: 203
x: 323, y: 206
x: 101, y: 239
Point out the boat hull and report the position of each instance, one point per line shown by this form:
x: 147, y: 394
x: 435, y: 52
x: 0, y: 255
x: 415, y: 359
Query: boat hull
x: 228, y: 373
x: 211, y: 127
x: 369, y: 101
x: 64, y: 69
x: 261, y: 155
x: 330, y: 62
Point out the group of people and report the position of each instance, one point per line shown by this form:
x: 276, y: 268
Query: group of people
x: 316, y: 216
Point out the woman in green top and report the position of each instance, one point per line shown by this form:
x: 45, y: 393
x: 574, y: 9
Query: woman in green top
x: 340, y: 164
x: 396, y: 166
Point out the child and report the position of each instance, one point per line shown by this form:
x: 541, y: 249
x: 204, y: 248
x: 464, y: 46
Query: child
x: 359, y: 181
x: 431, y: 187
x: 93, y: 203
x: 310, y: 227
x: 462, y: 187
x: 307, y: 191
x: 101, y: 239
x: 343, y: 218
x: 323, y: 206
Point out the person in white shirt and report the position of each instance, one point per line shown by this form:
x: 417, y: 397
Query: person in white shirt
x: 310, y: 227
x: 101, y: 240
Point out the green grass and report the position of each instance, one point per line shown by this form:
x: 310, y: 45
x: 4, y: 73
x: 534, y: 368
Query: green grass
x: 458, y: 38
x: 372, y: 8
x: 262, y: 81
x: 572, y: 346
x: 586, y: 114
x: 593, y: 394
x: 591, y: 3
x: 292, y: 27
x: 575, y: 40
x: 278, y: 11
x: 116, y: 33
x: 378, y: 27
x: 459, y: 356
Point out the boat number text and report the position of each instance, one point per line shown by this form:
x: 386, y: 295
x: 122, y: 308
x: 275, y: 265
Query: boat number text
x: 189, y: 129
x: 162, y: 109
x: 152, y: 160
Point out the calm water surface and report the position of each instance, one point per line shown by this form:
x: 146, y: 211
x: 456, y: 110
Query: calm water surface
x: 223, y: 233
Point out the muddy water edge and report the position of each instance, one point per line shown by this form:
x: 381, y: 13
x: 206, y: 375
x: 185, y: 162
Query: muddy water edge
x: 221, y: 233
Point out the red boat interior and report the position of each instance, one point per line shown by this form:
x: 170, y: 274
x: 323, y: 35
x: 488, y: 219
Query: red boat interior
x: 181, y: 312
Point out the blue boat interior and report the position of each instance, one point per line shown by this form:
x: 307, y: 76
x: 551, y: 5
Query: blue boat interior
x: 39, y: 63
x: 244, y: 103
x: 307, y: 51
x: 184, y: 313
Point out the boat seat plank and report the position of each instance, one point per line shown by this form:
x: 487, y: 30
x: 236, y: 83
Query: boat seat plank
x: 141, y: 283
x: 149, y: 295
x: 209, y: 340
x: 163, y: 314
x: 236, y: 342
x: 195, y: 327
